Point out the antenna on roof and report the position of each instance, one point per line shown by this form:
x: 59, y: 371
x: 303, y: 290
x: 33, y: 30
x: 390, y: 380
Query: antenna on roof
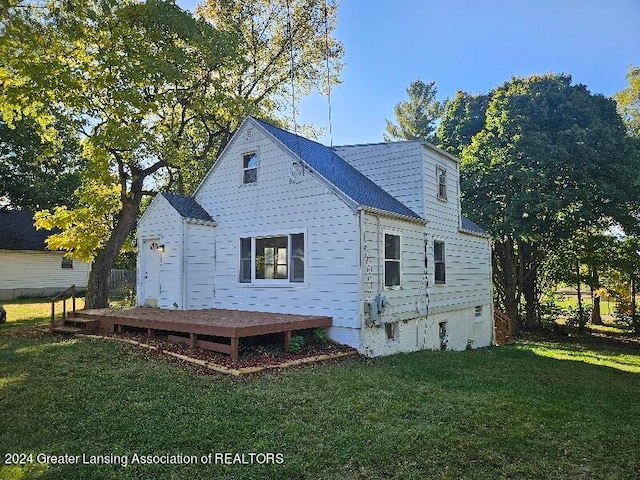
x: 291, y: 66
x: 326, y: 48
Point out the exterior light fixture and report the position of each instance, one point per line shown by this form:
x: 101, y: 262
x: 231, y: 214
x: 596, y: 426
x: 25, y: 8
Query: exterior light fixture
x: 158, y: 248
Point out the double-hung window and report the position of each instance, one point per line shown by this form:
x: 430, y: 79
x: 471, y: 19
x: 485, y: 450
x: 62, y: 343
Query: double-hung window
x: 441, y: 175
x: 391, y: 260
x: 249, y: 168
x: 439, y: 261
x: 277, y: 259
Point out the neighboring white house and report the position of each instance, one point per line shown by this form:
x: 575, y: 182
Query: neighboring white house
x: 370, y: 235
x: 27, y: 268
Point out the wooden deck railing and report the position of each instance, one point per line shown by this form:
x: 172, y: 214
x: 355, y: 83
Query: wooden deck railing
x: 503, y: 328
x: 65, y: 295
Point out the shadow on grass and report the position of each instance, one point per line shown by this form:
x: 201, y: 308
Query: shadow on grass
x: 505, y: 412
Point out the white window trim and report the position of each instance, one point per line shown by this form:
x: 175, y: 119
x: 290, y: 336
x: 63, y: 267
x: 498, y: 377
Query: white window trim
x: 397, y: 233
x: 265, y: 283
x: 442, y: 198
x: 444, y: 243
x: 242, y: 169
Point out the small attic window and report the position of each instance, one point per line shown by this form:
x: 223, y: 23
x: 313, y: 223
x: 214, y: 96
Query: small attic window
x: 67, y: 262
x: 249, y: 168
x: 249, y: 133
x: 441, y: 175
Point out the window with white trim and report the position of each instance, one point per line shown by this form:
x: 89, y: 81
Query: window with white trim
x: 278, y: 258
x: 439, y: 262
x: 441, y: 175
x: 391, y: 260
x: 249, y: 168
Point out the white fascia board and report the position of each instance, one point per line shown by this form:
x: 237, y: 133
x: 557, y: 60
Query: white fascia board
x: 397, y: 216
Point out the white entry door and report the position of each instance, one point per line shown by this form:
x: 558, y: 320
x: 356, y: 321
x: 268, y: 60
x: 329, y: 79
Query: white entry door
x: 151, y: 272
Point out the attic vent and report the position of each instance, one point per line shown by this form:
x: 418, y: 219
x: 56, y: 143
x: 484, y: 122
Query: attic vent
x: 249, y: 133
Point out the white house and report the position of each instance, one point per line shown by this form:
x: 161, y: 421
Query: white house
x: 27, y: 268
x: 370, y: 235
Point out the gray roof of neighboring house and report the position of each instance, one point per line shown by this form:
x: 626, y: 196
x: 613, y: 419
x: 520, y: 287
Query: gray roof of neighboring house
x: 18, y: 233
x: 339, y: 173
x: 471, y: 226
x: 187, y: 207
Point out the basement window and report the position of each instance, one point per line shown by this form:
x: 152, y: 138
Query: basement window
x: 67, y: 262
x: 250, y: 168
x: 391, y: 331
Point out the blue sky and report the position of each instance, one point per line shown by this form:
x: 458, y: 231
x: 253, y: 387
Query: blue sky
x: 470, y: 45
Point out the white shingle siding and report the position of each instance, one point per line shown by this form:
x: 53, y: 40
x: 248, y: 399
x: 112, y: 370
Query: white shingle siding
x: 468, y: 257
x: 396, y: 167
x: 275, y: 206
x: 200, y: 266
x: 25, y: 273
x: 161, y: 221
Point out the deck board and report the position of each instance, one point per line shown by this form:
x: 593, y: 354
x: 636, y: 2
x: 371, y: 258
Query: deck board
x: 233, y: 324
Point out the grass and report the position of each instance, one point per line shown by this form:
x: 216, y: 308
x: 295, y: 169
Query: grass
x: 532, y: 410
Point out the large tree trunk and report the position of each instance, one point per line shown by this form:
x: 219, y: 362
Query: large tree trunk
x: 529, y: 282
x: 635, y: 318
x: 98, y: 286
x: 506, y: 279
x: 581, y: 316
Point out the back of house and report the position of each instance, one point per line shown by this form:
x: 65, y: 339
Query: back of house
x: 369, y: 235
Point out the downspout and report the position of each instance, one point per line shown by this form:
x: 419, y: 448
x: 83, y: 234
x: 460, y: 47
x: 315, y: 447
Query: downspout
x: 184, y: 264
x: 492, y: 317
x: 215, y: 264
x: 361, y: 290
x: 379, y: 246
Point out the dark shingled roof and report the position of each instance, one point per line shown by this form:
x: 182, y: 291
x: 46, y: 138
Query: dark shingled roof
x: 18, y: 233
x: 471, y: 226
x: 339, y: 173
x: 187, y: 207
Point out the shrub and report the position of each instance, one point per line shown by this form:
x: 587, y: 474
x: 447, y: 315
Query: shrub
x: 320, y: 335
x: 296, y: 344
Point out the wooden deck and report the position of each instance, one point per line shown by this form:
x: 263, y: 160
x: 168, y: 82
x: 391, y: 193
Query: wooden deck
x: 224, y: 324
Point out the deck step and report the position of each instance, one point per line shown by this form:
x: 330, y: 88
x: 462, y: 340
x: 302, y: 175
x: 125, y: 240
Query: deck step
x: 67, y: 329
x: 80, y: 322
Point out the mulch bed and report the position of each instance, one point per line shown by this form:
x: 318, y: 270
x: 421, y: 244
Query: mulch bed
x: 256, y: 356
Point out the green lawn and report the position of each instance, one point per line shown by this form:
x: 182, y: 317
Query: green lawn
x: 528, y: 411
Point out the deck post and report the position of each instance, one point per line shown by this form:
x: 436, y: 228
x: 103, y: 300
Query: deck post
x: 287, y: 340
x: 235, y: 343
x: 151, y: 333
x: 194, y: 339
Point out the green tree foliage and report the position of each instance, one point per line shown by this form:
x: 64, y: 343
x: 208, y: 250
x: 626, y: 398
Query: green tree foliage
x: 547, y: 163
x: 141, y: 82
x: 33, y: 174
x: 153, y: 92
x: 286, y: 44
x: 629, y: 102
x: 462, y: 118
x: 416, y: 117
